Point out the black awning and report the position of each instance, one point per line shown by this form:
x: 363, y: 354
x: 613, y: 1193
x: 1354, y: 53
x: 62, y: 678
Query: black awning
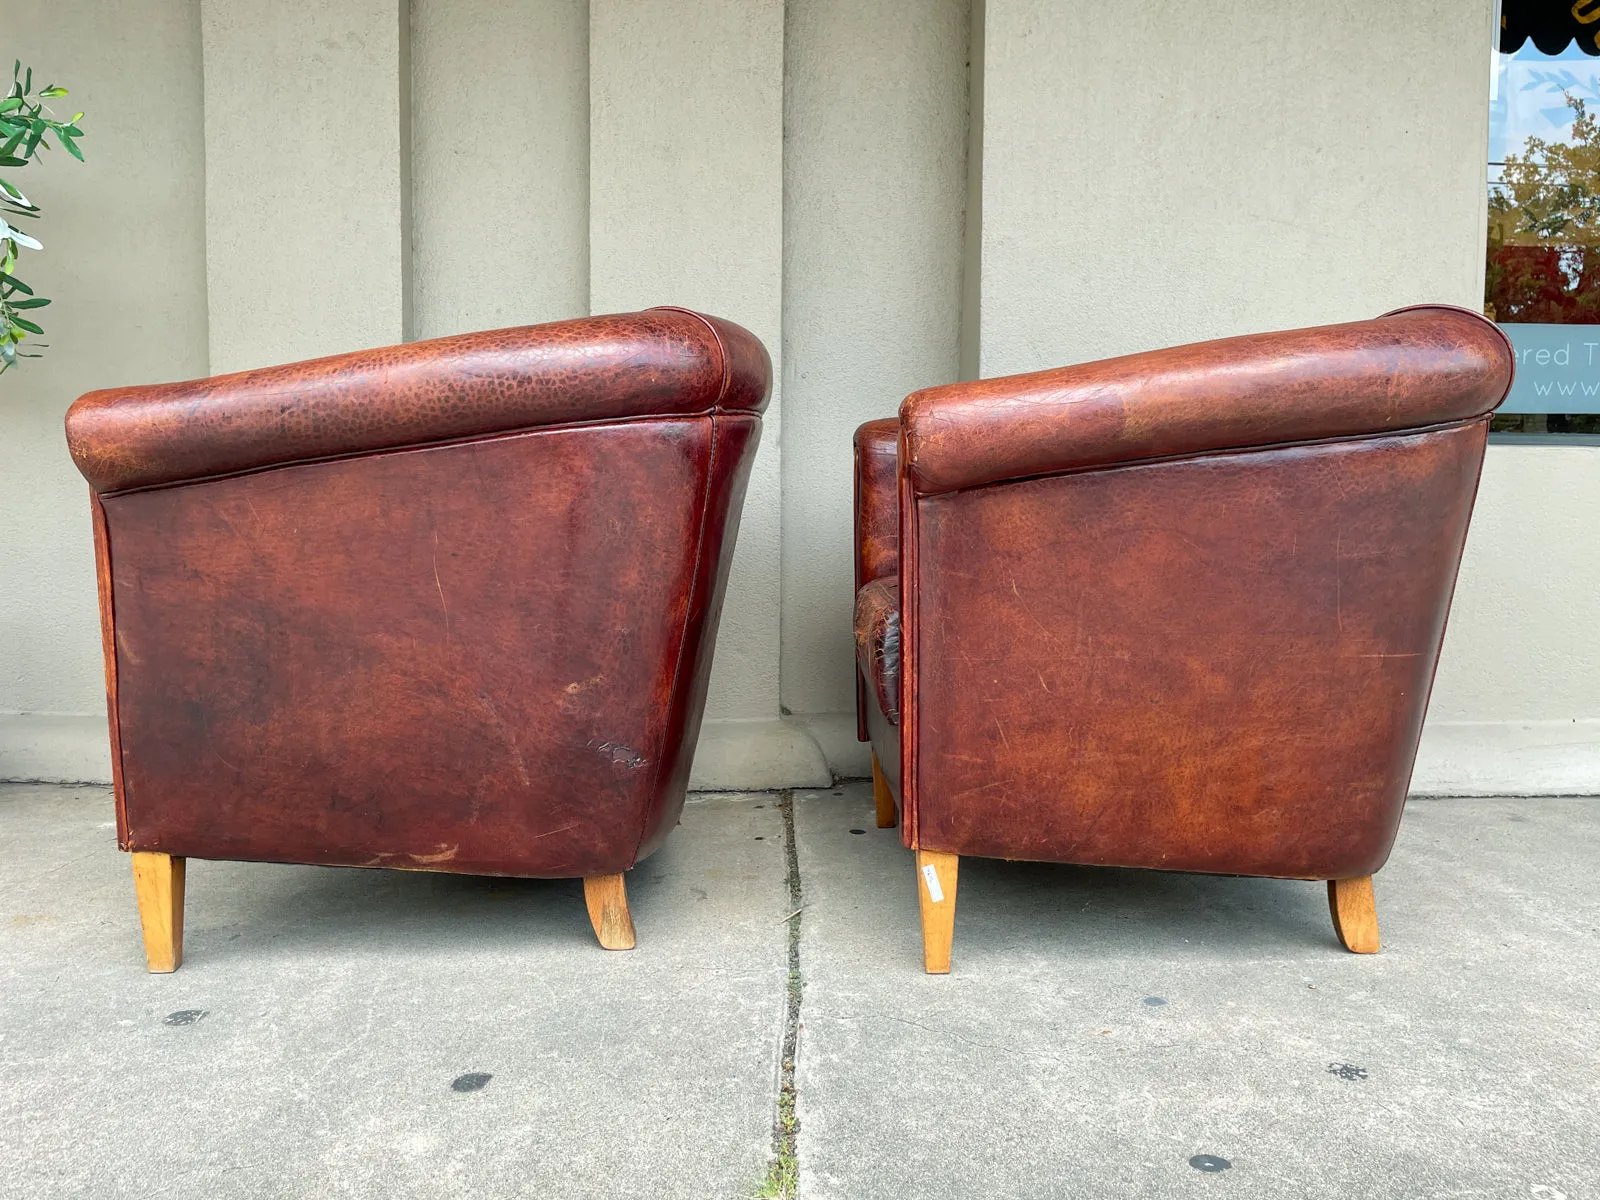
x: 1552, y: 24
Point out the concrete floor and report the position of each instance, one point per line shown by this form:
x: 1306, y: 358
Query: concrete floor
x: 329, y: 1029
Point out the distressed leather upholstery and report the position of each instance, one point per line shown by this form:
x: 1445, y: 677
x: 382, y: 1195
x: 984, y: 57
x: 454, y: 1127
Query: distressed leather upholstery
x: 878, y: 643
x: 1179, y: 609
x: 877, y: 539
x: 448, y: 605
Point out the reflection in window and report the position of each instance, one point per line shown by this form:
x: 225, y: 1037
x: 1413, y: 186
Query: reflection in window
x: 1542, y: 277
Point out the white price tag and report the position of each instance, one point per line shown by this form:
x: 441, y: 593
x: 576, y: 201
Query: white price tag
x: 935, y: 892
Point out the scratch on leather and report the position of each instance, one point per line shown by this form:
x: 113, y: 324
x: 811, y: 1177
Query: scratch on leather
x: 622, y: 755
x: 445, y: 854
x: 440, y: 585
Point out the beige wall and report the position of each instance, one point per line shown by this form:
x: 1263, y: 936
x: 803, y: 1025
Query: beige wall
x: 1157, y: 172
x: 500, y: 163
x: 1516, y: 704
x: 1258, y: 164
x: 124, y: 261
x: 307, y: 164
x: 874, y: 190
x: 686, y: 207
x: 1140, y: 174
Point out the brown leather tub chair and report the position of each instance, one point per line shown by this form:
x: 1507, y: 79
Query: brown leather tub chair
x: 447, y: 606
x: 1178, y: 610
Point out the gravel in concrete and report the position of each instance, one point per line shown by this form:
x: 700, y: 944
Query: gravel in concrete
x: 1125, y: 1033
x: 358, y: 1033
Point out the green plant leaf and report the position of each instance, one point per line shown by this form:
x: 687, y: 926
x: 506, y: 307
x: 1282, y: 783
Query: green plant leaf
x: 13, y: 281
x: 24, y: 323
x: 10, y: 193
x: 53, y: 90
x: 10, y: 104
x: 72, y: 148
x: 36, y: 302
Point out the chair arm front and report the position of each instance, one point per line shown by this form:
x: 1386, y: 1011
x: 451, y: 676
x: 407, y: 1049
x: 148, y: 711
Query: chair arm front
x: 1415, y: 367
x: 661, y: 361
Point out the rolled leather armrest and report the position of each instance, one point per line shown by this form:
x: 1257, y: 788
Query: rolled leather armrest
x: 663, y: 361
x: 1414, y: 367
x: 877, y: 500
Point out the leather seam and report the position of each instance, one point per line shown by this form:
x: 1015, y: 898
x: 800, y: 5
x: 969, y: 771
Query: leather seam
x: 683, y: 636
x: 119, y: 776
x: 1218, y: 452
x: 1494, y: 325
x: 855, y: 516
x: 722, y: 351
x: 907, y: 569
x: 406, y: 447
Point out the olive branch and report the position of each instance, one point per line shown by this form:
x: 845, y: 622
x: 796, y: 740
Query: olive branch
x: 26, y: 124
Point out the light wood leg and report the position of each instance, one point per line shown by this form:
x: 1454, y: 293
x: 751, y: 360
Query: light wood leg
x: 1355, y: 913
x: 936, y: 889
x: 888, y: 817
x: 158, y: 884
x: 607, y: 899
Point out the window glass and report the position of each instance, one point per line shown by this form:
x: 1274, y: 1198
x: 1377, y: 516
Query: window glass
x: 1542, y: 281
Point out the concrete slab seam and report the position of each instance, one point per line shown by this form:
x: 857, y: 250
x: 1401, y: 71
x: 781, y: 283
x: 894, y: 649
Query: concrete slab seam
x: 783, y: 1172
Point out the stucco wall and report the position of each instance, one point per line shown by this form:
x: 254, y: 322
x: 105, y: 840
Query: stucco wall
x: 307, y: 164
x: 1258, y: 164
x: 1141, y: 174
x: 124, y: 262
x: 1156, y: 172
x: 500, y: 163
x: 1516, y: 704
x: 874, y: 183
x: 686, y: 207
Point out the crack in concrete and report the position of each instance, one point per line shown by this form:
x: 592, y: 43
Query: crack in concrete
x: 783, y: 1173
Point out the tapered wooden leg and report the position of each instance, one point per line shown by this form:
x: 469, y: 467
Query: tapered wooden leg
x: 1355, y: 913
x: 607, y: 899
x: 158, y: 884
x: 888, y: 818
x: 936, y: 889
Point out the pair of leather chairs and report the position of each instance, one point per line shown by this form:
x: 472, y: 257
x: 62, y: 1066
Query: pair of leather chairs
x: 451, y: 606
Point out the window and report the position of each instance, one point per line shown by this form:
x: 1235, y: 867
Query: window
x: 1542, y: 281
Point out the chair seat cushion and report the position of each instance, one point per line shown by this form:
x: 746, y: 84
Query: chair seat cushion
x: 878, y: 642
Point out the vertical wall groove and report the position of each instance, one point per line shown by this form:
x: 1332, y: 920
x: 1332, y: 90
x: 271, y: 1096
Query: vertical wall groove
x: 500, y: 180
x: 686, y: 196
x: 972, y: 233
x: 305, y: 162
x: 874, y: 191
x: 407, y: 189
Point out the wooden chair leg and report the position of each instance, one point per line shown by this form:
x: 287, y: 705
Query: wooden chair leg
x: 936, y: 889
x: 158, y: 884
x: 888, y: 817
x: 1355, y: 913
x: 607, y: 898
